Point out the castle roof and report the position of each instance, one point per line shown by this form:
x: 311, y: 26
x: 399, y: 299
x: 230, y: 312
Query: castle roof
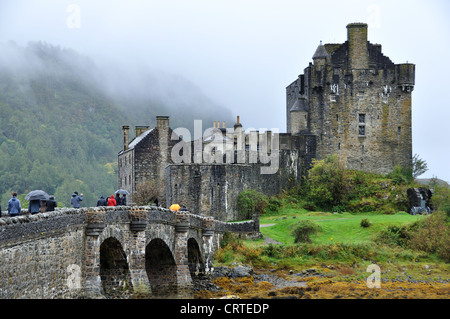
x: 321, y: 52
x: 138, y: 139
x: 299, y: 105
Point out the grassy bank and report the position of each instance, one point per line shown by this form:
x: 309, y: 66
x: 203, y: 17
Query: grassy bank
x: 335, y: 228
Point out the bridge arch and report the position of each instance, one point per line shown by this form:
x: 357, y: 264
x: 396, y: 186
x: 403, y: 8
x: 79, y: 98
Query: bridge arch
x: 195, y: 260
x: 114, y: 268
x: 161, y: 268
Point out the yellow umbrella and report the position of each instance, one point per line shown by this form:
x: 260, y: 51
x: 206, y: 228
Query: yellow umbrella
x: 174, y: 207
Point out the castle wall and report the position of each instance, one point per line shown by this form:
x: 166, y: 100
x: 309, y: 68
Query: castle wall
x: 212, y: 189
x: 359, y: 104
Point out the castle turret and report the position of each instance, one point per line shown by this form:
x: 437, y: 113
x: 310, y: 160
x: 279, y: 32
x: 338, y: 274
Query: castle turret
x: 405, y: 74
x: 358, y: 54
x: 321, y: 55
x: 299, y: 116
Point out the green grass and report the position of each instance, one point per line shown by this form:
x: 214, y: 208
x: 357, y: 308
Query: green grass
x: 342, y: 228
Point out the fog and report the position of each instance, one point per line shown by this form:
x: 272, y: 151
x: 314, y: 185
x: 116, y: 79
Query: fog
x: 241, y: 55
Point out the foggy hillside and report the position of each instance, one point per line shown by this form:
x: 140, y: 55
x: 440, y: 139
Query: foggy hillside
x: 61, y: 117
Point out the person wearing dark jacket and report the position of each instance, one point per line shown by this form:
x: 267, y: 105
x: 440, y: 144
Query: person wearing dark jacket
x: 34, y: 206
x: 102, y: 201
x: 14, y: 205
x: 51, y: 204
x: 75, y: 200
x: 124, y: 200
x: 118, y: 199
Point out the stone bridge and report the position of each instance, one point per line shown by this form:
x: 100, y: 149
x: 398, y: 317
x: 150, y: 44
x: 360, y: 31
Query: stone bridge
x: 92, y: 252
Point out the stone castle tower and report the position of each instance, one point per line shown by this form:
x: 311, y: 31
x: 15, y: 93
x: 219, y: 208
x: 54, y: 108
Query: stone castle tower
x: 356, y: 102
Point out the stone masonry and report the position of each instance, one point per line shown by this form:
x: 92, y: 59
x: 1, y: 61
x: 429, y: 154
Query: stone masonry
x: 90, y: 252
x: 357, y: 103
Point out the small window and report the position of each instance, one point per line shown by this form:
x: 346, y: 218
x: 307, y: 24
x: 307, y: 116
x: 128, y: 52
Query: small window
x: 399, y: 131
x: 333, y: 97
x: 361, y: 95
x: 362, y: 130
x: 362, y: 118
x: 129, y: 180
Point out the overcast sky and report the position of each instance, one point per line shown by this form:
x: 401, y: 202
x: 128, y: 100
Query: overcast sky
x: 243, y: 54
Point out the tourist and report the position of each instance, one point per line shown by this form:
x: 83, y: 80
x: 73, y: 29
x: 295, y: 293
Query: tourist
x: 124, y: 200
x: 118, y: 199
x: 102, y: 201
x: 112, y: 201
x: 51, y: 204
x: 34, y: 206
x: 14, y: 205
x: 75, y: 200
x: 43, y: 207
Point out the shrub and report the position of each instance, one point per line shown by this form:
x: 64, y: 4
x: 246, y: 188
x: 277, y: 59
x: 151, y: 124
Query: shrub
x: 365, y: 223
x: 327, y: 182
x: 432, y: 235
x: 394, y: 235
x: 250, y: 201
x: 401, y: 175
x: 338, y: 209
x: 303, y: 230
x: 274, y: 204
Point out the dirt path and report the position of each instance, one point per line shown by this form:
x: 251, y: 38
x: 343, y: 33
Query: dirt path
x: 269, y: 240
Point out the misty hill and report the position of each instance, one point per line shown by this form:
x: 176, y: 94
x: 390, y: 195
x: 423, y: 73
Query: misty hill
x: 61, y: 117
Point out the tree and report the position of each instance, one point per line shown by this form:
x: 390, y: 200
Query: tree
x: 146, y: 193
x: 419, y: 166
x: 328, y: 182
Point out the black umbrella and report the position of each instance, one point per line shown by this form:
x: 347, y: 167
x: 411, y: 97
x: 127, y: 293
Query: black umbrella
x: 37, y: 195
x: 122, y: 192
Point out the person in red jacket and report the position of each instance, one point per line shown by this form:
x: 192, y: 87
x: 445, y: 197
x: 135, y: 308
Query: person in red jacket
x: 112, y: 201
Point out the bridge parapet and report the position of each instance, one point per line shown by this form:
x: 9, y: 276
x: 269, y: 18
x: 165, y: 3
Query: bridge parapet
x: 41, y: 253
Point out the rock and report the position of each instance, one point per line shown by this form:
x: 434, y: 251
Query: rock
x: 221, y: 271
x: 242, y: 271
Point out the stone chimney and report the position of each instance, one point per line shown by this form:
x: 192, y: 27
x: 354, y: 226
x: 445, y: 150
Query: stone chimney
x: 126, y: 136
x: 141, y: 129
x: 358, y: 53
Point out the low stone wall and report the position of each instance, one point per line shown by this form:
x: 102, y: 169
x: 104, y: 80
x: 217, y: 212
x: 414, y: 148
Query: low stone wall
x: 40, y: 254
x: 51, y: 255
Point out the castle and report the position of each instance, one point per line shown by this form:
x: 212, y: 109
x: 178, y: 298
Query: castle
x: 351, y: 100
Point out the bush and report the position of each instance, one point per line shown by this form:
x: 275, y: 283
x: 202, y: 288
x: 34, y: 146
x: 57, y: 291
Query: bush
x: 365, y: 223
x: 401, y: 175
x: 395, y: 235
x: 274, y: 205
x: 338, y: 209
x: 250, y: 201
x: 432, y: 235
x: 303, y: 230
x: 327, y: 182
